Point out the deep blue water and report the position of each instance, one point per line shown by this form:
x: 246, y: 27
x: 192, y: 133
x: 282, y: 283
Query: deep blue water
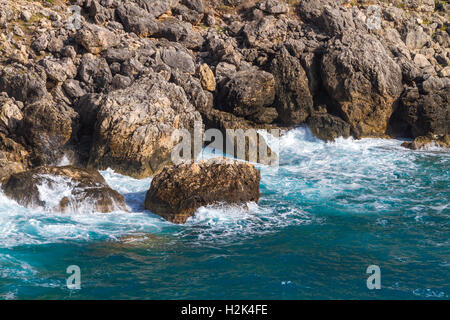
x: 328, y: 212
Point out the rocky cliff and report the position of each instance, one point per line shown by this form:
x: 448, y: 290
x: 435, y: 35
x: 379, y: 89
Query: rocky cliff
x: 105, y: 82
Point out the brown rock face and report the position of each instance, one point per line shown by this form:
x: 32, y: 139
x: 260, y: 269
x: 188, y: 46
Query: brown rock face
x: 88, y: 190
x: 178, y: 191
x: 363, y: 80
x: 13, y: 157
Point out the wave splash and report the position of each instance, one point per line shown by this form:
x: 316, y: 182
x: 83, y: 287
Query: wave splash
x: 311, y: 172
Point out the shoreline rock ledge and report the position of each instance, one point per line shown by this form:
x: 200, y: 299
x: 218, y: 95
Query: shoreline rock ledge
x: 63, y: 189
x: 179, y: 190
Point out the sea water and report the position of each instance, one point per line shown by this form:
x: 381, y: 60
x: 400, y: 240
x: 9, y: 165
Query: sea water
x: 326, y: 213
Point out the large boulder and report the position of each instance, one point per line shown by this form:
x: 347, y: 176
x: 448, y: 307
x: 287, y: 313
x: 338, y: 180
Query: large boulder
x: 95, y: 72
x: 250, y: 94
x: 363, y: 80
x: 23, y: 84
x: 294, y: 101
x: 63, y: 189
x: 47, y: 126
x: 134, y: 126
x: 178, y: 191
x: 425, y: 113
x: 136, y: 20
x: 96, y: 39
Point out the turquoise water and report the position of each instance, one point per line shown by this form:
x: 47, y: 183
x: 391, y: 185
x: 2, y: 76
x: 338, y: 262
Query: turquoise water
x: 328, y: 212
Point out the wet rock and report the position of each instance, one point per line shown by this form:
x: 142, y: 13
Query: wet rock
x: 63, y: 189
x: 328, y: 127
x: 178, y: 191
x: 134, y: 126
x: 426, y: 142
x: 430, y: 141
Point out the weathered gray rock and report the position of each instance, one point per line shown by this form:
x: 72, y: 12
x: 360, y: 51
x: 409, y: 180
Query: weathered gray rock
x: 59, y: 71
x: 13, y: 157
x: 21, y: 83
x: 426, y: 113
x: 134, y: 126
x: 10, y: 113
x: 294, y: 101
x: 363, y: 80
x: 178, y: 60
x: 248, y: 93
x: 96, y: 39
x: 95, y: 72
x: 274, y: 7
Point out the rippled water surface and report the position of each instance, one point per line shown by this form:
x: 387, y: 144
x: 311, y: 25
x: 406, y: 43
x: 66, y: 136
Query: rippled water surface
x: 328, y: 212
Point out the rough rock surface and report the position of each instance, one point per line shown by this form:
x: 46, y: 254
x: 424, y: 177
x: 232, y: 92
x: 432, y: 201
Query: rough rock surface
x: 178, y: 191
x: 429, y: 141
x: 328, y: 127
x: 134, y: 126
x: 46, y: 188
x: 237, y: 64
x: 426, y: 113
x: 250, y: 94
x: 363, y: 80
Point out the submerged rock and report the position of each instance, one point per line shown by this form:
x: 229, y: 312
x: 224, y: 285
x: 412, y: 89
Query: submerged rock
x: 63, y: 189
x: 425, y: 142
x: 178, y: 191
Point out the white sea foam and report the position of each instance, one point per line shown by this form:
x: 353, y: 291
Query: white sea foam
x: 311, y: 172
